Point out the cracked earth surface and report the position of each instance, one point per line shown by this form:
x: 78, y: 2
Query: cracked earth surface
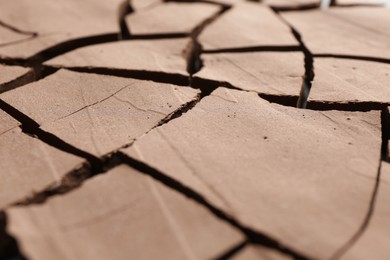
x: 211, y: 129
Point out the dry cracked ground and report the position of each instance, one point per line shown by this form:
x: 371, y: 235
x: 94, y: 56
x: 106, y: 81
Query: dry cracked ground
x: 214, y: 129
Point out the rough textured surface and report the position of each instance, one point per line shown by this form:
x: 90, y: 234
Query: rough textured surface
x: 358, y: 31
x: 159, y: 19
x: 55, y: 22
x: 156, y: 55
x: 148, y: 215
x: 263, y: 72
x: 244, y: 157
x: 27, y: 163
x: 258, y: 26
x: 121, y: 136
x: 98, y: 121
x: 343, y: 80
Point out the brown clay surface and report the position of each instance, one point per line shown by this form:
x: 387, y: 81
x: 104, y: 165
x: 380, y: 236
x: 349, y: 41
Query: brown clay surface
x: 246, y: 25
x: 165, y: 56
x: 355, y: 31
x: 264, y: 72
x: 342, y: 80
x: 218, y: 129
x: 159, y: 20
x: 226, y: 165
x: 27, y: 164
x: 143, y: 211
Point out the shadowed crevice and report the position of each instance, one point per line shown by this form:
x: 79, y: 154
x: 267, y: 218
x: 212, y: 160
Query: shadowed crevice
x: 124, y: 9
x: 270, y: 48
x: 9, y: 248
x: 292, y: 8
x: 72, y: 180
x: 352, y: 57
x: 233, y: 251
x: 290, y: 101
x: 70, y: 45
x: 309, y: 67
x: 24, y: 79
x: 194, y: 50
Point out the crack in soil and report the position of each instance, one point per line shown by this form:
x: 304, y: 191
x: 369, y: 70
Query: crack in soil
x: 309, y: 68
x: 233, y: 251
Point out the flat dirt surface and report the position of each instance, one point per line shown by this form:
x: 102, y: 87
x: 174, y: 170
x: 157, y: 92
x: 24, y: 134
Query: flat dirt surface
x: 218, y: 129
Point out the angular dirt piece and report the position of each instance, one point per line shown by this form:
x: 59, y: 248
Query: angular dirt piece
x: 151, y: 55
x: 344, y: 80
x: 98, y: 113
x: 259, y: 253
x: 246, y: 25
x: 264, y: 72
x: 123, y: 214
x: 57, y: 21
x: 27, y: 164
x: 170, y: 18
x: 374, y: 243
x: 10, y: 73
x: 287, y: 172
x: 363, y: 31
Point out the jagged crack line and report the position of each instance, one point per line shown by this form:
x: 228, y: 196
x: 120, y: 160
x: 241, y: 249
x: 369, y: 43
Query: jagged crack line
x: 309, y: 70
x: 363, y: 227
x: 194, y: 50
x: 265, y: 48
x: 253, y: 236
x: 232, y: 251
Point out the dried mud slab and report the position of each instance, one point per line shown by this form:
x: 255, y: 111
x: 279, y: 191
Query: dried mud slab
x: 344, y: 80
x: 170, y: 17
x: 98, y: 113
x: 246, y: 25
x: 374, y: 243
x: 143, y: 220
x: 358, y: 31
x: 287, y: 172
x: 11, y: 76
x: 56, y: 22
x: 274, y: 73
x: 142, y: 55
x: 27, y: 164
